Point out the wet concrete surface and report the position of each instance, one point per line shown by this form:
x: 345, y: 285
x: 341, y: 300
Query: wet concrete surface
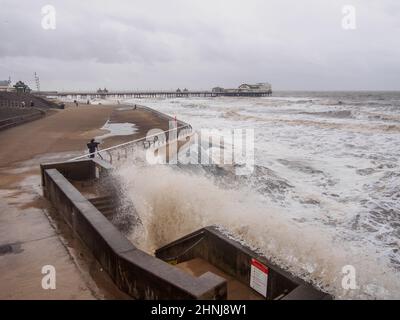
x: 236, y: 289
x: 32, y: 235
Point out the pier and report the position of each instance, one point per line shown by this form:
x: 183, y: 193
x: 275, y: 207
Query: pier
x: 153, y: 94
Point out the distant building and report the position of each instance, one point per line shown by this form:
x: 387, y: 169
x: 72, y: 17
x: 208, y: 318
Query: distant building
x: 102, y: 90
x: 218, y: 90
x: 245, y: 89
x: 21, y: 87
x: 255, y: 87
x: 178, y: 90
x: 5, y: 85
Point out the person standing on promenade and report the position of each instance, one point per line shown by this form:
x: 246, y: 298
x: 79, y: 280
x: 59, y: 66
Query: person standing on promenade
x: 92, y: 146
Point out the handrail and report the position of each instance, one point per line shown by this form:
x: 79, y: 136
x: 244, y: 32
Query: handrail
x: 128, y: 143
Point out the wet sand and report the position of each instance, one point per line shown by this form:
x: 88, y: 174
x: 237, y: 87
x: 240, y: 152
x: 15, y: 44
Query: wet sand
x: 31, y: 233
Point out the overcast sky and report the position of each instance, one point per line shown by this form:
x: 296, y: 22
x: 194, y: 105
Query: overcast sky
x: 199, y: 44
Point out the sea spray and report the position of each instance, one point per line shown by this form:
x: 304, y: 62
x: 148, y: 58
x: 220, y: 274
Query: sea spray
x: 170, y: 203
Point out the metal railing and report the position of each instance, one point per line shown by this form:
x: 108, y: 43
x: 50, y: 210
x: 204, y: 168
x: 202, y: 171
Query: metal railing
x: 159, y: 139
x: 121, y: 151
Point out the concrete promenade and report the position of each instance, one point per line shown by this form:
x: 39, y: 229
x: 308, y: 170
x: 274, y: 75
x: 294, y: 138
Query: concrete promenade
x: 31, y: 235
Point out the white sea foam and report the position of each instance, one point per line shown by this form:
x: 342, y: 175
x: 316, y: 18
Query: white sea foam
x: 171, y: 204
x: 324, y: 193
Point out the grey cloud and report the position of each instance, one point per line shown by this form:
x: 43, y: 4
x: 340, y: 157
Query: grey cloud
x: 124, y: 44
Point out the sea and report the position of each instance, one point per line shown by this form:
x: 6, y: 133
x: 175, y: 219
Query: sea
x: 323, y: 198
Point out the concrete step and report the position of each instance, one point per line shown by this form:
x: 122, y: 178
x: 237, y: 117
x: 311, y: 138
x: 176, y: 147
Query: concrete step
x: 105, y: 205
x: 108, y: 213
x: 103, y: 199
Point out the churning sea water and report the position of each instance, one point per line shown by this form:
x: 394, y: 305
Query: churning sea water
x: 324, y: 193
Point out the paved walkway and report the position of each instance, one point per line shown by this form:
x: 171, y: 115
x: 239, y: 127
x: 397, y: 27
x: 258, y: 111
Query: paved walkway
x: 31, y: 234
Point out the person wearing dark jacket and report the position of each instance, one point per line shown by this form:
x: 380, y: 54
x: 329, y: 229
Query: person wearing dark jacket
x: 92, y: 146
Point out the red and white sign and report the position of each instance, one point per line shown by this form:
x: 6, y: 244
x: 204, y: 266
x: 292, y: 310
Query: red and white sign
x: 259, y: 277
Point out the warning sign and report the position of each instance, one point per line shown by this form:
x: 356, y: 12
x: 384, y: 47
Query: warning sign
x: 259, y: 277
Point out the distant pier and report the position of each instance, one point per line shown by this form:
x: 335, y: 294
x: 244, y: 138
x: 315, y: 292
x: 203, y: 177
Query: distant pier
x: 153, y: 94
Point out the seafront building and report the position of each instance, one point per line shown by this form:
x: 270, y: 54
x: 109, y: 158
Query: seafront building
x: 246, y: 89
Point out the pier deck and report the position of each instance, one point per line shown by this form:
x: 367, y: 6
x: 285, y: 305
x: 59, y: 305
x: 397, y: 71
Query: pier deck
x: 152, y: 94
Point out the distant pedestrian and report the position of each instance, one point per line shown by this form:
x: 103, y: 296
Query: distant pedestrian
x: 23, y: 104
x: 32, y: 103
x: 134, y: 108
x: 93, y: 147
x: 76, y: 103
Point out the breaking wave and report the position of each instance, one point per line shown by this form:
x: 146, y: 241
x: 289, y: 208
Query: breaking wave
x: 324, y: 192
x: 171, y: 203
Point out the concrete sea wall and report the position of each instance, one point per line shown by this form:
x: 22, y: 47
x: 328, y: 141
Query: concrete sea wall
x: 135, y: 272
x: 235, y: 259
x: 17, y: 120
